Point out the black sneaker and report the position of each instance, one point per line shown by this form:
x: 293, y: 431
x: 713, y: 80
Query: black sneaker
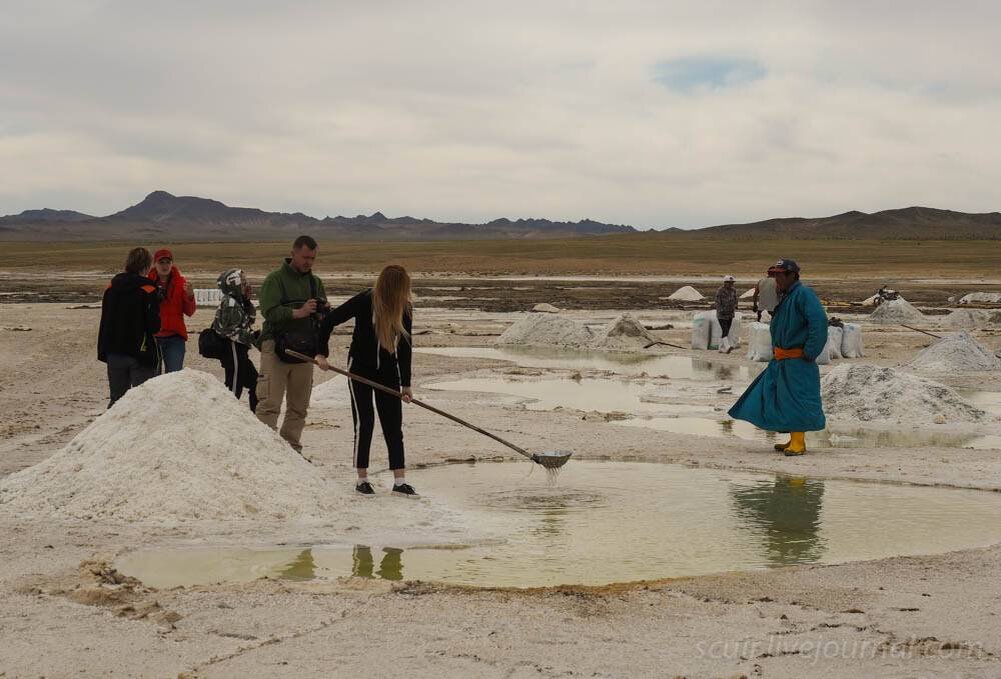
x: 365, y: 488
x: 405, y: 490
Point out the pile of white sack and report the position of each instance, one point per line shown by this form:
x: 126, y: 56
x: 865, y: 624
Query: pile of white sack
x: 208, y: 296
x: 843, y: 342
x: 707, y: 333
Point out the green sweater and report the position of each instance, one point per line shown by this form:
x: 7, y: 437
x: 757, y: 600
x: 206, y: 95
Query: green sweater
x: 278, y: 316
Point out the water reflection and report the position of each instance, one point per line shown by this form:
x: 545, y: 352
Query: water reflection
x: 786, y: 512
x: 390, y: 567
x: 301, y: 568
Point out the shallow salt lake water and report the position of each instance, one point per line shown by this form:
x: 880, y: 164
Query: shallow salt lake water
x: 623, y: 363
x: 605, y: 522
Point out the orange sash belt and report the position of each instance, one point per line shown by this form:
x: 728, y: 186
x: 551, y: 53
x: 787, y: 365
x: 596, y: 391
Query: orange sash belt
x: 782, y: 354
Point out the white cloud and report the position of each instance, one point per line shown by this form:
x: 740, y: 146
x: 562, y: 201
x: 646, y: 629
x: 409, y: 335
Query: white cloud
x: 469, y: 111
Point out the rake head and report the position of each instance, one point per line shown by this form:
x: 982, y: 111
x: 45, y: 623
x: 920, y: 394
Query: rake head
x: 552, y: 459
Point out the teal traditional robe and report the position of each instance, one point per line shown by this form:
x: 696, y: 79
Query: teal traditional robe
x: 786, y: 396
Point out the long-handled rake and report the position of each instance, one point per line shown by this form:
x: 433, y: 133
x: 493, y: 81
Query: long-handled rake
x: 551, y: 460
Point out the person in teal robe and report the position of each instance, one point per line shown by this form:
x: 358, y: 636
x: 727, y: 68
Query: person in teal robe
x: 786, y: 396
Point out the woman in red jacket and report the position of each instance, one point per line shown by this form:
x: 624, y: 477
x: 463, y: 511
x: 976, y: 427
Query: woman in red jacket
x: 177, y: 300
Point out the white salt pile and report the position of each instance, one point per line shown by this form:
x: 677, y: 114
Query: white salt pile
x: 333, y: 392
x: 625, y: 333
x: 896, y: 311
x: 545, y: 308
x: 177, y: 448
x: 686, y: 294
x: 547, y: 330
x: 963, y: 319
x: 981, y: 298
x: 872, y: 394
x: 957, y: 352
x: 748, y: 295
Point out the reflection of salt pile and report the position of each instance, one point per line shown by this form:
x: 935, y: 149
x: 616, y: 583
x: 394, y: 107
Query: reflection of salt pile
x: 686, y: 294
x: 547, y: 330
x: 625, y: 333
x: 177, y: 448
x: 896, y: 311
x: 869, y: 393
x: 956, y: 352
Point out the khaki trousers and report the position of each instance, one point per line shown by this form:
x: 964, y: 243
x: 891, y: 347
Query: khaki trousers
x: 278, y: 381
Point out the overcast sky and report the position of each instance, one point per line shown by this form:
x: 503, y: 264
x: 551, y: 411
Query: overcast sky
x: 650, y: 113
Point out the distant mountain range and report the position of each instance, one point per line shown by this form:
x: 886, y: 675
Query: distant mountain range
x: 165, y: 217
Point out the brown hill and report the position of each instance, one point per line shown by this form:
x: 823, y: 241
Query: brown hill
x: 911, y: 223
x: 162, y: 215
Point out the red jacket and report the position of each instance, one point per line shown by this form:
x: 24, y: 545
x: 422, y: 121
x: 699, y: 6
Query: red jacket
x: 173, y: 305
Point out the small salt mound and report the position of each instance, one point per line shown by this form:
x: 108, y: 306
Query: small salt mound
x: 332, y: 392
x: 869, y: 301
x: 896, y: 311
x: 748, y: 295
x: 962, y: 319
x: 545, y: 308
x: 956, y: 352
x: 872, y: 394
x: 177, y: 448
x: 547, y: 330
x: 625, y: 333
x: 981, y: 297
x: 686, y: 294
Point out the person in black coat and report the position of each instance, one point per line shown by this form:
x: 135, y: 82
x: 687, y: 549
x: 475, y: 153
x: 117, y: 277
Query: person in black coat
x: 381, y: 352
x: 130, y: 317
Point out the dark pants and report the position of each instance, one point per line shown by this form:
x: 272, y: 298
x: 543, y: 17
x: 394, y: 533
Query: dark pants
x: 172, y: 349
x: 725, y: 324
x: 125, y: 372
x: 240, y: 372
x: 390, y: 410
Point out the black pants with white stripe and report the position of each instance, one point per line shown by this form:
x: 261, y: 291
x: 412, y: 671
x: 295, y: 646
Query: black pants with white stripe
x: 390, y: 410
x: 240, y: 372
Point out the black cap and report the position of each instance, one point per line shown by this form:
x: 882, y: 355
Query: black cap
x: 785, y: 265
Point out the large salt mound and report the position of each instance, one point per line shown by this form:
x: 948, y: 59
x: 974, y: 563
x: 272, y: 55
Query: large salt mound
x: 333, y: 392
x: 547, y: 330
x: 896, y: 311
x: 625, y: 333
x: 961, y: 319
x: 955, y: 353
x: 177, y: 448
x: 686, y: 294
x: 872, y: 394
x: 981, y: 297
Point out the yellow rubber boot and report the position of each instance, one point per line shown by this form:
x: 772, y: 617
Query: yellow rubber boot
x: 797, y: 443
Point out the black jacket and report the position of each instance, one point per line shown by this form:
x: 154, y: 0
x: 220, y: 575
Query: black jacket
x: 130, y: 317
x: 366, y: 357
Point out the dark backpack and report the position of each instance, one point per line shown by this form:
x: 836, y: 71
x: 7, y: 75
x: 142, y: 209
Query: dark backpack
x: 211, y: 344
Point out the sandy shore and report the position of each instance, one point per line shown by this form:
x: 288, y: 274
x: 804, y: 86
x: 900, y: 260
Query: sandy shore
x: 64, y: 612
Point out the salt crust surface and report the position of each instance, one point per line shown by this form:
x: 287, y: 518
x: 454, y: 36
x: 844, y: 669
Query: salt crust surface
x: 872, y: 394
x: 180, y: 449
x: 956, y: 352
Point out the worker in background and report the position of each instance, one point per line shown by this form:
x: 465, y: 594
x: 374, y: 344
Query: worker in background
x: 786, y: 396
x: 726, y: 308
x: 766, y: 295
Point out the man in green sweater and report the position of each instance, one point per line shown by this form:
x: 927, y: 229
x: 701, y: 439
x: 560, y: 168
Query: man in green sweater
x: 290, y: 299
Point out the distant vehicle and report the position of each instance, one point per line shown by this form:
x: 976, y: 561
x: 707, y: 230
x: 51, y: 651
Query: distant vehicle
x: 885, y: 294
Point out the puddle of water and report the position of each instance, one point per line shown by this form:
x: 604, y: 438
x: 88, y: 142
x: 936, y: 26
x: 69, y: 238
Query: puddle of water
x: 615, y: 522
x: 622, y: 363
x: 836, y: 438
x: 603, y: 395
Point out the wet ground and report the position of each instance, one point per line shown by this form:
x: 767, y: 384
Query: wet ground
x: 605, y: 522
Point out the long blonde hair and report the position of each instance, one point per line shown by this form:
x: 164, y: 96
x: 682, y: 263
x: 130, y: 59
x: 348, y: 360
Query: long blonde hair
x: 390, y: 300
